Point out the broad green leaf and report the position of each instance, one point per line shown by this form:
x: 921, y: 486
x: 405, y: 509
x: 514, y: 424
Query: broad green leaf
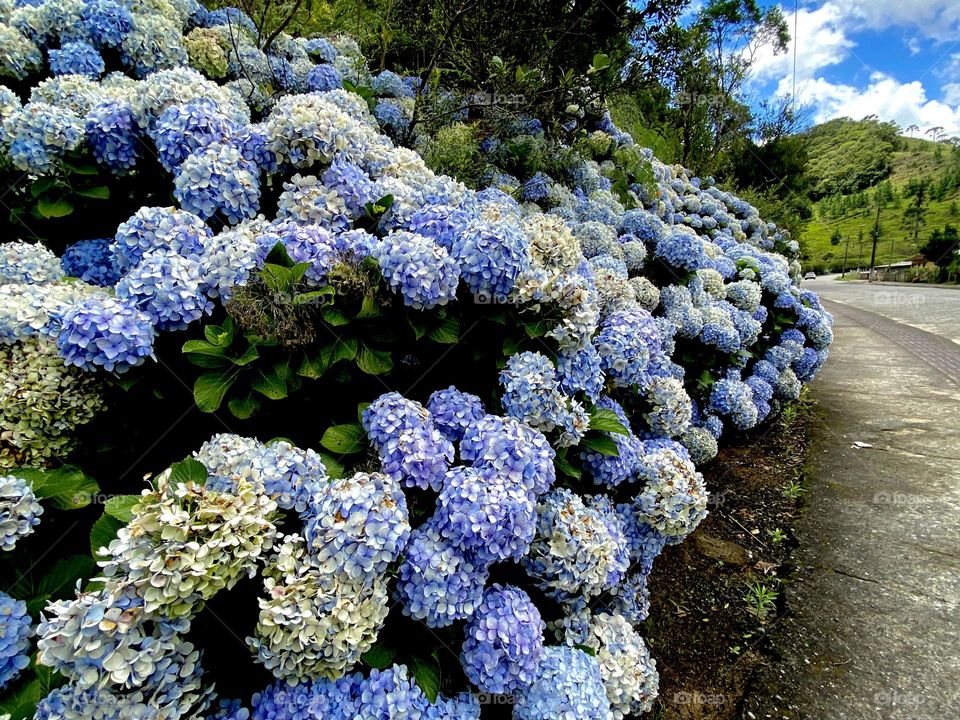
x: 189, y: 470
x: 243, y: 408
x: 121, y: 506
x: 60, y: 580
x: 369, y: 308
x: 276, y: 277
x: 67, y: 488
x: 334, y: 317
x: 361, y: 408
x: 81, y: 168
x: 607, y: 421
x: 23, y: 704
x: 203, y: 347
x: 210, y: 388
x: 278, y: 255
x: 312, y: 368
x: 103, y: 532
x: 220, y: 335
x: 334, y: 467
x: 427, y: 676
x: 378, y: 657
x: 249, y: 355
x: 602, y: 444
x: 54, y: 208
x: 99, y: 192
x: 343, y: 439
x: 270, y: 384
x: 298, y: 271
x: 374, y: 362
x: 564, y: 466
x: 448, y: 332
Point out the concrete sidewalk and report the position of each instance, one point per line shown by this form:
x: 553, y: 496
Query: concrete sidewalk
x: 873, y: 624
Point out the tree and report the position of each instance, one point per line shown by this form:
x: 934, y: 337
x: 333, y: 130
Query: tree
x: 915, y: 212
x: 836, y: 237
x: 941, y: 248
x: 911, y: 129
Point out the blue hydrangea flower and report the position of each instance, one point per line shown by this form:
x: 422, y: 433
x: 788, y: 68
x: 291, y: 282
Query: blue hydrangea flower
x: 581, y: 370
x: 388, y: 84
x: 537, y: 187
x: 38, y: 133
x: 321, y: 48
x: 92, y: 261
x: 441, y: 223
x: 436, y: 582
x: 734, y: 399
x: 23, y: 263
x: 632, y: 598
x: 106, y: 332
x: 567, y: 685
x: 417, y: 268
x: 19, y: 511
x: 157, y: 228
x: 670, y: 407
x: 357, y: 526
x: 113, y: 135
x: 484, y: 515
x: 184, y: 128
x: 304, y: 243
x: 516, y: 452
x: 626, y: 342
x: 580, y: 548
x: 324, y: 77
x: 503, y: 641
x: 453, y: 411
x: 168, y: 288
x: 15, y: 632
x: 218, y: 180
x: 491, y: 257
x: 106, y: 21
x: 682, y: 248
x: 352, y: 184
x: 611, y: 470
x: 76, y: 58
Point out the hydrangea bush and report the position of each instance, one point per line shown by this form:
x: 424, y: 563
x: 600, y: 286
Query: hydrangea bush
x: 404, y: 440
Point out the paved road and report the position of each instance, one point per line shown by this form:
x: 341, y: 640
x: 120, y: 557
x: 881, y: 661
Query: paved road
x: 873, y: 628
x: 934, y: 309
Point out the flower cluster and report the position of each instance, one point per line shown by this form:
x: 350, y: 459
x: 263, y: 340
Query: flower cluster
x: 19, y: 511
x: 15, y: 632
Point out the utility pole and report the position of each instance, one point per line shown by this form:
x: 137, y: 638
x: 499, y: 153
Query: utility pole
x: 860, y: 251
x: 876, y: 238
x: 890, y: 261
x: 846, y: 249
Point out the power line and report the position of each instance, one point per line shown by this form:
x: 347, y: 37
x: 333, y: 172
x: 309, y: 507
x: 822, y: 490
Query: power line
x: 796, y: 15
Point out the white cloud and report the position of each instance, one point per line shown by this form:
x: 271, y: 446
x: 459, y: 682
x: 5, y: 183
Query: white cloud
x: 951, y: 93
x: 913, y: 45
x: 884, y: 96
x: 937, y: 19
x: 822, y: 42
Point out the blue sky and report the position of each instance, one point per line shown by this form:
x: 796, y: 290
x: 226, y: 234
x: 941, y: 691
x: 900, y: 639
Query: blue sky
x: 898, y: 59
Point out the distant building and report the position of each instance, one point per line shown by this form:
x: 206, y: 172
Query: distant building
x: 903, y: 271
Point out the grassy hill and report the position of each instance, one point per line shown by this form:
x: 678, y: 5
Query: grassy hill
x: 906, y: 160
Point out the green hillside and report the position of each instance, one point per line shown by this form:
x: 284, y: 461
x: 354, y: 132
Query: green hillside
x: 860, y: 156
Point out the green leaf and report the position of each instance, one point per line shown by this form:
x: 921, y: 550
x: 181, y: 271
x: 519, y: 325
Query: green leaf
x: 189, y: 470
x: 41, y: 186
x: 298, y: 271
x: 60, y: 580
x: 99, y: 192
x: 369, y: 307
x: 602, y: 444
x: 374, y: 362
x: 378, y: 657
x: 564, y: 466
x: 537, y: 329
x: 607, y: 421
x: 343, y: 439
x: 203, y: 347
x: 81, y: 168
x: 334, y: 467
x: 103, y: 532
x: 23, y: 704
x: 270, y: 384
x: 447, y: 333
x: 343, y: 349
x: 587, y: 649
x: 361, y: 408
x: 278, y: 255
x: 312, y: 368
x: 334, y: 317
x: 54, y: 208
x: 249, y: 355
x: 210, y: 388
x: 276, y: 277
x: 67, y: 488
x: 427, y: 675
x: 243, y: 408
x: 418, y: 326
x: 121, y: 506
